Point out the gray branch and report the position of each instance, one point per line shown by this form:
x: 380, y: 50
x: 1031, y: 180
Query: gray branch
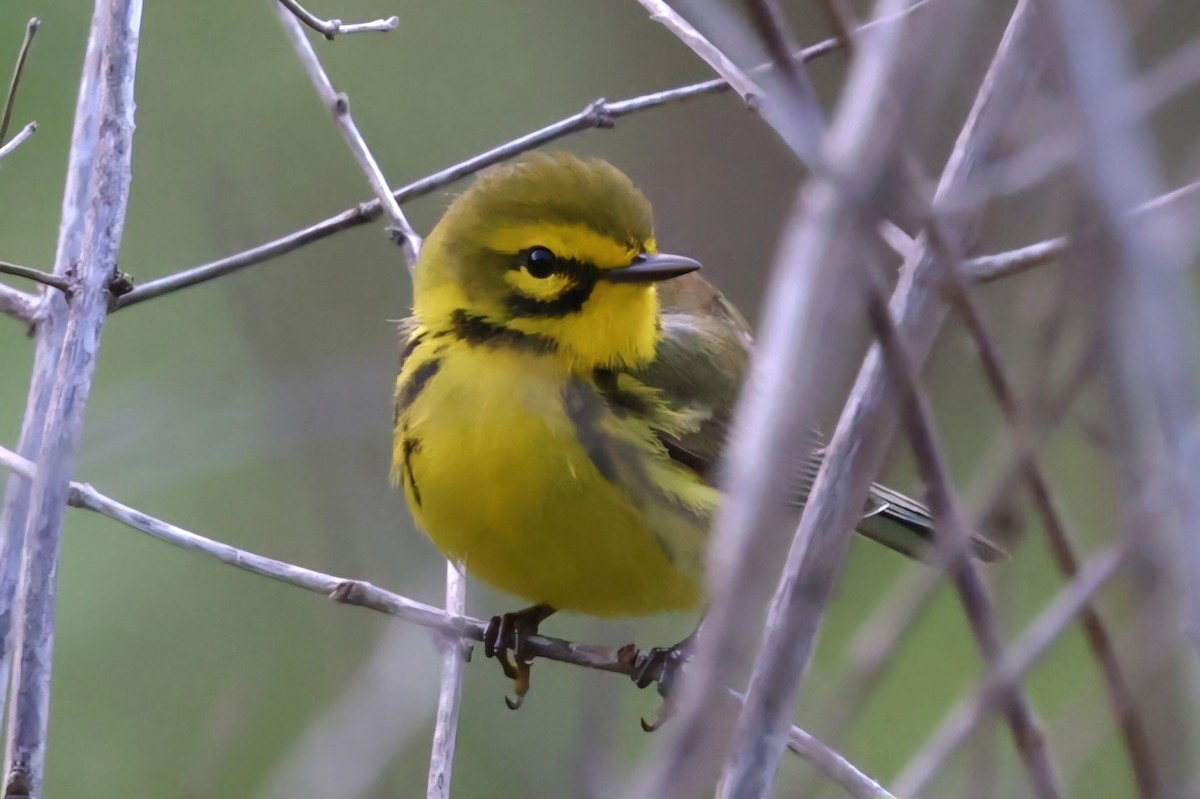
x: 622, y: 661
x: 101, y: 163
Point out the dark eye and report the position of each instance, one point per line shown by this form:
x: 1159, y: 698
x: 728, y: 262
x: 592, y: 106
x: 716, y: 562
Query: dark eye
x: 541, y: 262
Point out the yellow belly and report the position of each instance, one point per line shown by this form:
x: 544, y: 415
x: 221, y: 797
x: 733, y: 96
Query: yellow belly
x: 501, y: 484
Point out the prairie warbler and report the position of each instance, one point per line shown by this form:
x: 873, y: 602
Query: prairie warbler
x: 564, y: 393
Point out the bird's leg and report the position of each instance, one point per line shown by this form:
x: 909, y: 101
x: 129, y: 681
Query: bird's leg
x: 662, y: 665
x: 510, y: 633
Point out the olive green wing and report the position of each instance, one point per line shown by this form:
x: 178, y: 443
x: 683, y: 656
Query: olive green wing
x: 700, y: 367
x: 699, y: 370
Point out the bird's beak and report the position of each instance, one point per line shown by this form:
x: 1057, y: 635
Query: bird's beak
x: 651, y: 267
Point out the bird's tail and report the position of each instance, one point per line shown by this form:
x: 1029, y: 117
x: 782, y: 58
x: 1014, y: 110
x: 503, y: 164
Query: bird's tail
x: 903, y: 524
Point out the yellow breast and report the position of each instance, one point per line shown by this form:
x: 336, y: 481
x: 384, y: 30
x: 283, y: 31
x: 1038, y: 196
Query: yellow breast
x: 495, y: 473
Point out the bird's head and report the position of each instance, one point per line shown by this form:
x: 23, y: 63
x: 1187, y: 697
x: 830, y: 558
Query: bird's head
x: 556, y: 247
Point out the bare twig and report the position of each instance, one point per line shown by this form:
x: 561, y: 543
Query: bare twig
x: 48, y: 320
x: 1021, y: 657
x: 1124, y: 705
x: 813, y: 274
x: 330, y: 28
x: 31, y: 29
x: 663, y: 14
x: 338, y: 104
x: 1145, y: 292
x: 22, y: 136
x: 454, y: 662
x: 598, y: 114
x: 953, y: 537
x: 17, y: 304
x: 855, y: 452
x: 36, y: 275
x: 989, y: 268
x: 354, y: 592
x: 106, y: 174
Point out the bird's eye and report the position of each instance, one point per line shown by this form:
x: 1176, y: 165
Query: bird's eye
x: 541, y: 262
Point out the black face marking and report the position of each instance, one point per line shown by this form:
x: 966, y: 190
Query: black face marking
x: 477, y: 330
x: 569, y: 302
x: 415, y: 384
x: 542, y: 263
x: 410, y: 446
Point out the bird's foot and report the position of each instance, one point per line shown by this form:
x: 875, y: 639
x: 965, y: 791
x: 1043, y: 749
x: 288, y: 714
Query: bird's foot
x: 506, y: 638
x: 662, y: 666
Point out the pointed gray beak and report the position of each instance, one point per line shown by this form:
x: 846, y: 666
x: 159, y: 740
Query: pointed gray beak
x: 651, y: 267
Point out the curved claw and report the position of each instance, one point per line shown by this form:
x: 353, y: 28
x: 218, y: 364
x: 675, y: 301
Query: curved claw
x: 662, y: 665
x: 506, y: 639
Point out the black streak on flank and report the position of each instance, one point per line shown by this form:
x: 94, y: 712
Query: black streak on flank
x: 586, y: 412
x: 622, y: 402
x: 415, y: 384
x: 410, y: 446
x: 409, y: 347
x: 477, y: 330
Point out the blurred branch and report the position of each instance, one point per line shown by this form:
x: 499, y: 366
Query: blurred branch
x: 855, y: 453
x: 454, y: 661
x: 36, y: 275
x: 1124, y: 705
x: 952, y: 536
x: 626, y: 660
x: 663, y: 14
x: 31, y: 29
x: 598, y: 114
x: 352, y: 743
x: 989, y: 268
x: 338, y: 104
x: 1021, y: 657
x: 874, y: 645
x: 22, y: 136
x: 102, y: 166
x: 18, y: 304
x: 330, y: 28
x: 813, y: 272
x: 1146, y: 294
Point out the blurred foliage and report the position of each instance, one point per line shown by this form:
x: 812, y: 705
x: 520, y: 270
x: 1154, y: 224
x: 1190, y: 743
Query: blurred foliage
x: 256, y: 409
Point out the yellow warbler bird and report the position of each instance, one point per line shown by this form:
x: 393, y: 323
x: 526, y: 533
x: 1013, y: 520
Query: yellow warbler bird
x: 564, y: 394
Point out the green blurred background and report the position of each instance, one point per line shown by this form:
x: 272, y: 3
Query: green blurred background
x: 255, y: 409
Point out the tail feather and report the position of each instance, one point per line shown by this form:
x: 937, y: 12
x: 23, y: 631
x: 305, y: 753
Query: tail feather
x: 905, y: 525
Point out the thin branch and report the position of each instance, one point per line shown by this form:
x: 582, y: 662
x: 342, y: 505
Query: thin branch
x: 1022, y: 656
x: 22, y: 136
x: 952, y: 536
x: 834, y: 505
x: 338, y: 104
x: 878, y: 638
x: 454, y: 663
x: 598, y: 114
x: 834, y: 766
x: 989, y: 268
x: 813, y: 272
x: 31, y: 29
x: 106, y: 175
x: 622, y: 661
x: 36, y: 275
x: 20, y: 306
x: 1145, y: 293
x: 1124, y: 705
x: 330, y: 28
x: 663, y: 14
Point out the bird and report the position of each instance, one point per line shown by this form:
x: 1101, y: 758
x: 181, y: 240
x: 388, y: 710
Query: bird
x: 564, y: 394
